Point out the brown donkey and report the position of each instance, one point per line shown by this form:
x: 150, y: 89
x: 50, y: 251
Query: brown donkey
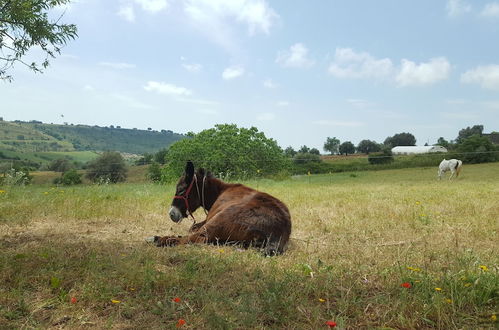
x: 236, y: 214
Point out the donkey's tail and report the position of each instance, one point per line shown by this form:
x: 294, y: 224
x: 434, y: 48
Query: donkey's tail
x: 459, y: 165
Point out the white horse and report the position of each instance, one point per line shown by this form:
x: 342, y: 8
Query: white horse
x: 452, y: 165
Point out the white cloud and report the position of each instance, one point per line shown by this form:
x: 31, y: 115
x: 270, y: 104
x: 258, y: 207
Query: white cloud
x: 491, y: 10
x: 268, y: 83
x: 256, y: 14
x: 282, y: 103
x: 457, y: 7
x: 166, y: 89
x: 132, y: 102
x: 338, y: 123
x: 152, y: 6
x: 232, y: 72
x: 486, y: 76
x: 266, y: 116
x: 88, y: 88
x: 117, y: 65
x: 193, y: 67
x: 296, y: 57
x: 349, y: 64
x: 412, y: 74
x: 359, y: 103
x: 127, y: 13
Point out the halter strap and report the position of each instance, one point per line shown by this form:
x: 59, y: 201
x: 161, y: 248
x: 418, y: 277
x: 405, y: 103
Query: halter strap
x: 185, y: 196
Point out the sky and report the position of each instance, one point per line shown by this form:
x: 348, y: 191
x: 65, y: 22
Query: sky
x: 300, y: 71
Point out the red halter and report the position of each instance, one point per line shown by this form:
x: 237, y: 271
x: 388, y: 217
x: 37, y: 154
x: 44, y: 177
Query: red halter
x: 186, y: 196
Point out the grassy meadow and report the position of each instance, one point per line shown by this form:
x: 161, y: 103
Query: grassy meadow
x: 373, y: 249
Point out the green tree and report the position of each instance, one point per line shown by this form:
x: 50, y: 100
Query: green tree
x: 400, y: 139
x: 154, y: 172
x: 25, y: 24
x: 227, y: 150
x: 367, y: 146
x: 160, y: 156
x: 469, y: 131
x: 314, y: 151
x: 332, y: 145
x: 108, y: 167
x: 477, y: 149
x: 304, y: 150
x: 290, y: 152
x: 443, y: 142
x: 346, y: 148
x: 69, y: 178
x: 60, y: 165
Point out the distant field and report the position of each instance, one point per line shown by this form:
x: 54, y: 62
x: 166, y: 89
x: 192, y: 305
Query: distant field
x: 373, y: 249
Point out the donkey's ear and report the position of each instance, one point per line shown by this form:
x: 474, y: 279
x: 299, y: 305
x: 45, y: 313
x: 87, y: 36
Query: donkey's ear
x: 189, y: 171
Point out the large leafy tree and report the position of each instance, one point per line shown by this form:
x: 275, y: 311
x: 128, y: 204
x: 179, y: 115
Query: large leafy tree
x: 346, y: 148
x: 332, y: 145
x: 109, y: 167
x: 468, y: 132
x: 25, y: 24
x: 227, y: 150
x: 367, y: 146
x: 400, y: 139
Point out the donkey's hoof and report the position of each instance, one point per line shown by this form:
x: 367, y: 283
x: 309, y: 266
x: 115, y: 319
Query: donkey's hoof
x: 152, y: 239
x: 167, y: 241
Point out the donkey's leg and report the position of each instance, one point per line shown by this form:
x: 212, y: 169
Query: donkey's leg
x: 199, y: 236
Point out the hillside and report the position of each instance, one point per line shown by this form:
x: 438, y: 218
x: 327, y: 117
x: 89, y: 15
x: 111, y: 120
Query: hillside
x: 34, y: 136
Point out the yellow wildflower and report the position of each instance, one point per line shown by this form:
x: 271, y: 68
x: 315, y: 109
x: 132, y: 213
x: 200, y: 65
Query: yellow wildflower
x: 449, y: 301
x: 438, y: 289
x: 484, y: 268
x: 493, y: 317
x: 467, y: 284
x: 2, y: 191
x: 221, y: 250
x: 46, y: 193
x: 414, y: 269
x: 115, y: 301
x: 418, y: 203
x: 322, y: 300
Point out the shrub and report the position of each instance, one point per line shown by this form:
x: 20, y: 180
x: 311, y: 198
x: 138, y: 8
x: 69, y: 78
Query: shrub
x: 16, y: 177
x: 154, y: 172
x: 477, y: 149
x: 69, y: 178
x: 384, y: 157
x: 110, y: 167
x: 60, y: 165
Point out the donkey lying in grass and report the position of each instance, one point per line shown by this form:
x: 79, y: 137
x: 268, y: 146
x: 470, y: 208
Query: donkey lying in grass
x: 236, y: 214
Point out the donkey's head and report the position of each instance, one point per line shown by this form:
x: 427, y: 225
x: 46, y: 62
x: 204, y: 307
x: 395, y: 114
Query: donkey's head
x: 186, y: 199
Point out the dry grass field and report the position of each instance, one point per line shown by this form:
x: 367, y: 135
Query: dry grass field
x: 378, y: 249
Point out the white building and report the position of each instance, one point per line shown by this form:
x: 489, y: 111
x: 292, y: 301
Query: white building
x: 412, y: 150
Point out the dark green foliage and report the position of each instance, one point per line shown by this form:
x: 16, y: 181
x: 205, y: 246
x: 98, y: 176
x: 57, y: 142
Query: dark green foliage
x: 477, y: 149
x: 468, y: 132
x: 304, y: 150
x: 384, y: 157
x: 228, y: 151
x: 400, y: 139
x: 69, y: 178
x: 144, y: 160
x: 367, y: 146
x: 60, y: 165
x: 332, y: 145
x: 289, y: 152
x: 315, y: 151
x: 305, y: 162
x: 160, y: 156
x: 154, y: 172
x: 346, y: 148
x: 443, y: 142
x: 109, y: 167
x: 25, y: 24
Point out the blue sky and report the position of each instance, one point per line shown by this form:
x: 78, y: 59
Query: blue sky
x: 299, y: 71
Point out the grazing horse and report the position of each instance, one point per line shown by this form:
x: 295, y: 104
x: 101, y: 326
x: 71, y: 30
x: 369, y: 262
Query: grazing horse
x: 236, y: 214
x: 452, y: 165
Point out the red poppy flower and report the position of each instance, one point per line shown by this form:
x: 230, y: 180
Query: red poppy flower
x: 177, y: 299
x: 180, y: 323
x: 73, y: 300
x: 406, y: 285
x: 331, y: 324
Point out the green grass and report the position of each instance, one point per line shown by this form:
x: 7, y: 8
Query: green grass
x: 356, y: 238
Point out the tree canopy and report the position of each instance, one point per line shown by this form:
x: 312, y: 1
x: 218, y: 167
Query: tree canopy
x: 227, y: 151
x: 25, y: 24
x: 346, y: 148
x: 332, y: 145
x: 400, y: 139
x: 110, y: 167
x: 367, y: 146
x: 468, y: 132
